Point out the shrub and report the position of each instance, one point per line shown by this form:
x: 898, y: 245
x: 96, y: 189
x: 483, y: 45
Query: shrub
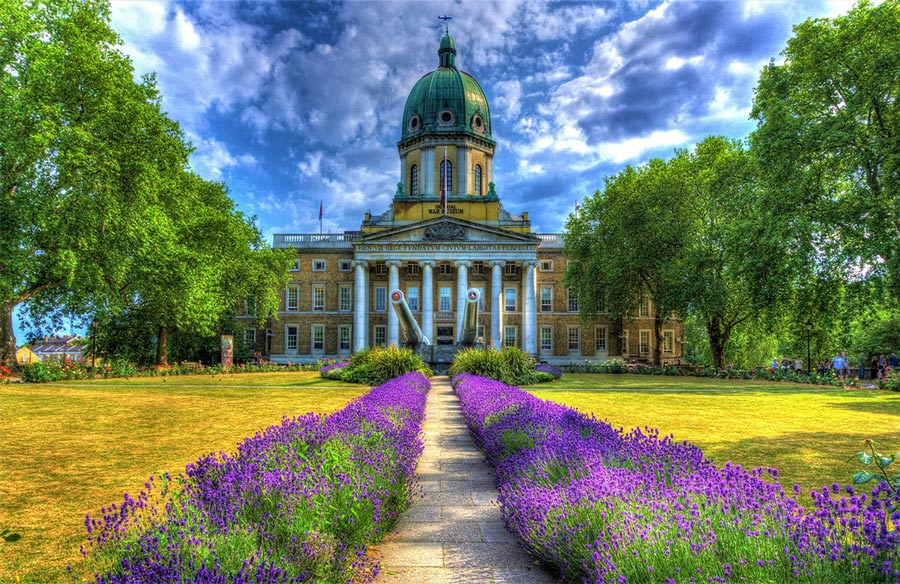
x: 374, y: 366
x: 510, y: 365
x: 555, y: 372
x: 481, y: 362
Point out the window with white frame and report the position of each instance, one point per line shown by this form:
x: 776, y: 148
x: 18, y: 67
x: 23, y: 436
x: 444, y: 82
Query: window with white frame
x: 477, y: 268
x: 345, y: 303
x: 344, y: 338
x: 414, y: 180
x: 625, y: 348
x: 444, y: 299
x: 509, y: 336
x: 644, y: 347
x: 318, y: 265
x: 546, y: 339
x: 600, y: 334
x: 380, y: 332
x: 250, y: 339
x: 290, y: 338
x: 380, y: 299
x: 447, y: 175
x: 546, y: 299
x: 412, y: 297
x: 574, y: 338
x: 380, y: 269
x: 509, y: 300
x: 668, y: 342
x: 318, y: 337
x: 546, y: 265
x: 510, y: 269
x: 478, y: 179
x: 318, y: 297
x: 345, y: 265
x: 292, y: 298
x: 249, y: 306
x: 295, y: 266
x: 412, y: 269
x: 644, y: 306
x: 573, y: 300
x: 446, y: 269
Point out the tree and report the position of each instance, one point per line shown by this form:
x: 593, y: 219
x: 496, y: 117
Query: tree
x: 624, y: 245
x: 83, y: 150
x: 828, y: 137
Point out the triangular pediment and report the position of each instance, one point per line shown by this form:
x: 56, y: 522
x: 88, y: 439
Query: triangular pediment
x: 449, y: 230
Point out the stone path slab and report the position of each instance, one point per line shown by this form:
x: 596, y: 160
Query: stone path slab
x: 454, y: 533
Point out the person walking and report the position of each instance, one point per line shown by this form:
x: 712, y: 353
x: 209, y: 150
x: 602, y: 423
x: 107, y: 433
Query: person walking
x: 892, y: 361
x: 837, y: 365
x: 862, y: 366
x: 874, y: 366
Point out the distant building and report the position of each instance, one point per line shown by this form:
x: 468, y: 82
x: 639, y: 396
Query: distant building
x: 57, y: 350
x: 446, y: 231
x: 25, y: 355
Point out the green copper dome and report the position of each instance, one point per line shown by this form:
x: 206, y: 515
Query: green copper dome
x: 446, y: 100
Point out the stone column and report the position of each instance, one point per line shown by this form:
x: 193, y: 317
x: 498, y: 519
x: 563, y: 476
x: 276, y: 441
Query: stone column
x: 428, y: 299
x: 462, y: 165
x: 529, y: 314
x: 462, y: 286
x: 393, y: 332
x: 359, y: 308
x: 497, y: 303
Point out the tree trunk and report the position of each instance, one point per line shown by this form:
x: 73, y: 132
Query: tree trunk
x: 162, y: 345
x: 7, y: 338
x: 657, y: 335
x: 717, y: 338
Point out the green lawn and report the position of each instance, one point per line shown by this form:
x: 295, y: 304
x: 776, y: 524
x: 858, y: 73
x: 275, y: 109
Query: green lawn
x: 68, y: 449
x: 806, y: 432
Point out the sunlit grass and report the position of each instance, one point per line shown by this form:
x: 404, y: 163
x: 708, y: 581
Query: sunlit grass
x: 806, y: 432
x: 68, y: 449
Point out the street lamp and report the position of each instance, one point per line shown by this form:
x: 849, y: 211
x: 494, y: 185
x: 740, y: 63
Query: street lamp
x: 808, y: 332
x: 94, y: 326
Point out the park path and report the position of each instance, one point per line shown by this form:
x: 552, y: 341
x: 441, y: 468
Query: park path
x: 453, y: 533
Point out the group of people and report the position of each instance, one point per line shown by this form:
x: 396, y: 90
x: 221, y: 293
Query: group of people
x: 786, y: 364
x: 840, y: 364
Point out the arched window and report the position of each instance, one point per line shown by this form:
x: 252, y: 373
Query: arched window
x: 414, y: 180
x: 478, y: 179
x: 447, y: 176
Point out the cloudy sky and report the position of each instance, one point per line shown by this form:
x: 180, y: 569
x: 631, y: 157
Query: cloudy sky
x: 291, y: 103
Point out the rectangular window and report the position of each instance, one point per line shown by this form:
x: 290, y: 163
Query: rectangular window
x: 644, y: 306
x: 292, y: 299
x: 511, y: 269
x: 249, y: 306
x: 645, y: 342
x: 625, y: 347
x: 546, y: 339
x: 318, y: 297
x: 344, y: 265
x: 573, y: 300
x: 380, y: 299
x: 574, y: 337
x: 509, y: 336
x: 446, y: 269
x: 318, y: 337
x: 546, y: 299
x: 546, y: 265
x: 380, y: 336
x: 290, y: 338
x: 380, y: 269
x: 444, y: 302
x: 346, y: 299
x: 478, y: 268
x: 510, y: 299
x: 600, y: 333
x: 412, y: 297
x: 668, y: 342
x: 250, y: 340
x: 412, y: 269
x: 344, y: 338
x: 318, y: 265
x: 295, y: 266
x: 480, y: 333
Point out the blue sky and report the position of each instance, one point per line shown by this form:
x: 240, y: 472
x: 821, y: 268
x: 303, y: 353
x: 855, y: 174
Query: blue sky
x: 290, y: 103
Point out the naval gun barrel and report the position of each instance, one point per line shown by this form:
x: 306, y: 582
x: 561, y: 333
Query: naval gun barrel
x: 410, y: 332
x: 469, y: 332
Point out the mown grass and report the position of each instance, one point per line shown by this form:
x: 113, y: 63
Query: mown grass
x: 68, y: 449
x: 806, y: 432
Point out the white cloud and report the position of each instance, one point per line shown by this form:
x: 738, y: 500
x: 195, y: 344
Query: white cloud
x: 211, y: 159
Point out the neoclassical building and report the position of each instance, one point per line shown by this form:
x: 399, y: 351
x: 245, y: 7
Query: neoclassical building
x: 434, y: 248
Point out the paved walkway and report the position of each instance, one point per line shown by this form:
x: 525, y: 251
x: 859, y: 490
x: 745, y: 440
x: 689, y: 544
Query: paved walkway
x: 454, y: 533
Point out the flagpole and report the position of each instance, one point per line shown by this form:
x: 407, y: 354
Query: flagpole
x: 444, y: 183
x: 320, y: 217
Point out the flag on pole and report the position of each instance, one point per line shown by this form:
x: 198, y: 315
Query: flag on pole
x: 444, y: 183
x: 320, y: 216
x: 577, y: 209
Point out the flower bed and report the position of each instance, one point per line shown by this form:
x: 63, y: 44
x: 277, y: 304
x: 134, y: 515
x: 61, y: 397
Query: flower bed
x: 603, y: 506
x: 298, y: 502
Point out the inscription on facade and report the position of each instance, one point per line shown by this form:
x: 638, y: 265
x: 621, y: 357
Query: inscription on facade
x: 451, y: 210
